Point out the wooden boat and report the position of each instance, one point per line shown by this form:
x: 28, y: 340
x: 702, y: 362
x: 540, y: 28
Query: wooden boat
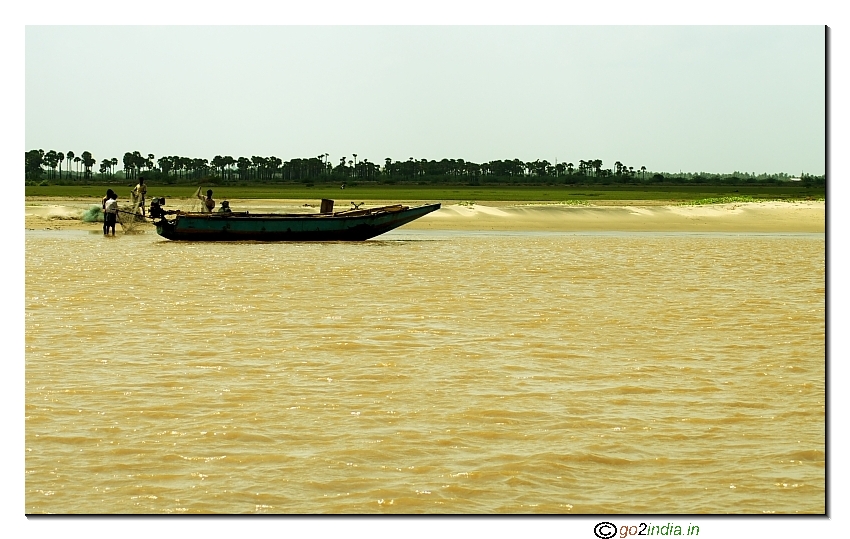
x: 349, y: 225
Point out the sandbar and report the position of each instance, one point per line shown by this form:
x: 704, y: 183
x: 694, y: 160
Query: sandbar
x: 619, y: 216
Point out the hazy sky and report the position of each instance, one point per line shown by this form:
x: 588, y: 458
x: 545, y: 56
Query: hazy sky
x: 717, y: 99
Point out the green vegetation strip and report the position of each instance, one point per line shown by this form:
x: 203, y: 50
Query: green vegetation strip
x: 361, y: 193
x: 739, y: 199
x: 722, y: 200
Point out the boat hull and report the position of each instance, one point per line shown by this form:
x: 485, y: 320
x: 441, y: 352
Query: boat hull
x: 343, y: 226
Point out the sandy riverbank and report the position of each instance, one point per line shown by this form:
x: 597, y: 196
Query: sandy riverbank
x: 623, y: 216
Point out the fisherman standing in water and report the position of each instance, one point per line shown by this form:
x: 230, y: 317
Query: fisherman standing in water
x: 110, y: 211
x: 209, y: 203
x: 139, y: 193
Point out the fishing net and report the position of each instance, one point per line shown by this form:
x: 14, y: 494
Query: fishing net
x: 129, y: 216
x: 93, y: 215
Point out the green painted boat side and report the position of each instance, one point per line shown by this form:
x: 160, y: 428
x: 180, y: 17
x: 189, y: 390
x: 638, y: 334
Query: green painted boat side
x: 357, y: 225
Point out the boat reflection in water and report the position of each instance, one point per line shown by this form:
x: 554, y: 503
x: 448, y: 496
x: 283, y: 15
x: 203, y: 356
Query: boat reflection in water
x: 327, y: 225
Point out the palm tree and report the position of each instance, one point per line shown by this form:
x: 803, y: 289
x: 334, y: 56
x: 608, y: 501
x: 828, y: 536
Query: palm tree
x: 229, y: 162
x: 184, y: 165
x: 50, y: 159
x: 597, y: 165
x: 77, y: 161
x: 559, y: 170
x: 128, y: 164
x: 70, y: 157
x: 113, y: 163
x: 274, y: 163
x: 643, y: 170
x: 217, y: 164
x: 33, y: 160
x: 138, y: 163
x: 165, y: 165
x: 88, y: 162
x: 199, y: 166
x: 242, y: 165
x: 259, y: 165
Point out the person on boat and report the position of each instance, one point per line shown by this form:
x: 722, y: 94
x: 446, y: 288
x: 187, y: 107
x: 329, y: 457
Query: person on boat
x: 156, y: 211
x: 225, y: 207
x: 139, y: 193
x: 209, y: 203
x: 110, y: 211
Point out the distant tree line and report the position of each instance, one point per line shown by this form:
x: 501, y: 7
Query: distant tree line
x: 46, y: 167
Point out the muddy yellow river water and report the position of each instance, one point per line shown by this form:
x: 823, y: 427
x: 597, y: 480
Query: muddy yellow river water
x: 426, y: 371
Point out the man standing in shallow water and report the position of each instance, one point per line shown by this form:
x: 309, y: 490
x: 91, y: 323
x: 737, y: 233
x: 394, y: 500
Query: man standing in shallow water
x: 110, y: 211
